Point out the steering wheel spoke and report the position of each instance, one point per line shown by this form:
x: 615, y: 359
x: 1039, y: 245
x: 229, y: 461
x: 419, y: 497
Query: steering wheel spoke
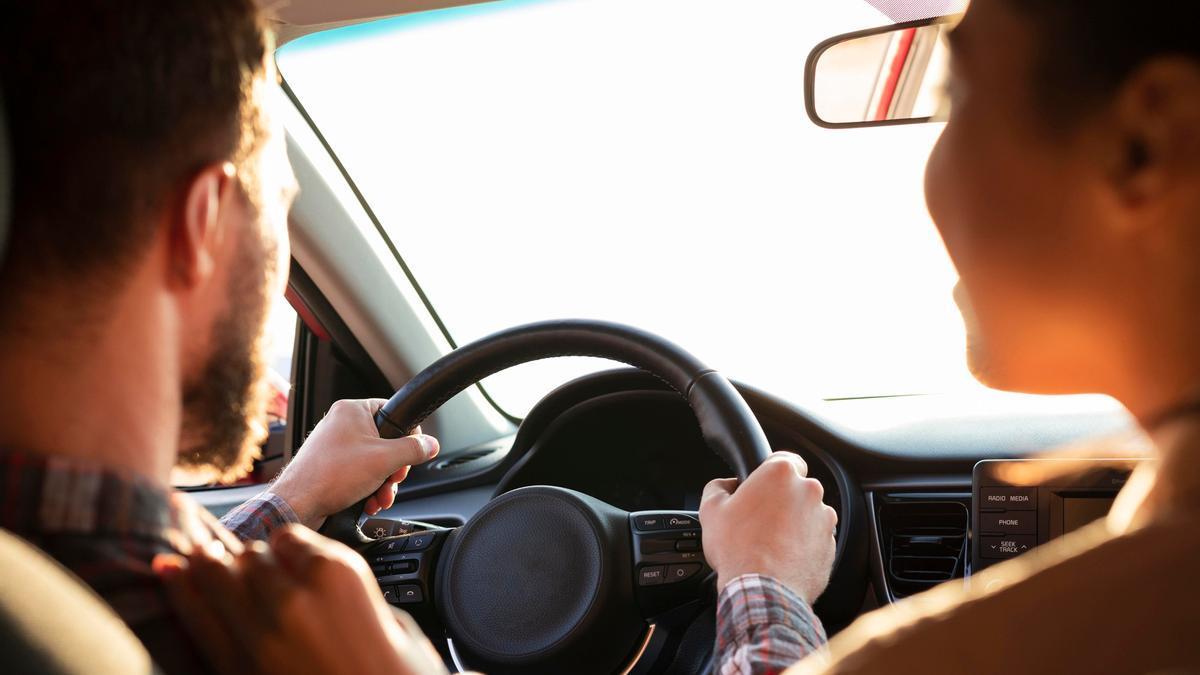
x: 668, y: 561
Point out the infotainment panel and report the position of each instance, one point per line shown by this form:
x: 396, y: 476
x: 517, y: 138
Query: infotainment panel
x: 1018, y: 504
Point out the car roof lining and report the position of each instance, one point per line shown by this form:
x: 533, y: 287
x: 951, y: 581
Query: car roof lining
x: 297, y: 18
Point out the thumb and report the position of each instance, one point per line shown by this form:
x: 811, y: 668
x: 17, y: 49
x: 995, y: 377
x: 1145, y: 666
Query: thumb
x: 397, y: 453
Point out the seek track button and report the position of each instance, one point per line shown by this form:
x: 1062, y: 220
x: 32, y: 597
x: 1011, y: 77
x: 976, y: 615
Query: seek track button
x: 1006, y: 547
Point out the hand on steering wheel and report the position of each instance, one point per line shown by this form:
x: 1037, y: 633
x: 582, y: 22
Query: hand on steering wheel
x: 544, y: 579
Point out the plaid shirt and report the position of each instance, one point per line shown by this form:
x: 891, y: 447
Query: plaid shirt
x: 763, y: 627
x: 107, y: 527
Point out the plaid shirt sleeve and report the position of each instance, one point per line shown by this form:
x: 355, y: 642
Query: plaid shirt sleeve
x: 259, y: 516
x: 763, y: 627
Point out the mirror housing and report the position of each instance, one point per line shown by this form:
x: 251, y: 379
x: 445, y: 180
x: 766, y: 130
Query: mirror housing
x: 879, y: 76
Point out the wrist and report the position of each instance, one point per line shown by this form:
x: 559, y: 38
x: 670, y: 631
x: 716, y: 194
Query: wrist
x: 295, y: 499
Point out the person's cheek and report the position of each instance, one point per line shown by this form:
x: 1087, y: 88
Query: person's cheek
x: 940, y: 190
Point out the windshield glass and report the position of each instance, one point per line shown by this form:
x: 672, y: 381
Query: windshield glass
x: 648, y: 162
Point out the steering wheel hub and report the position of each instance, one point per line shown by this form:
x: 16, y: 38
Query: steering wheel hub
x: 538, y: 574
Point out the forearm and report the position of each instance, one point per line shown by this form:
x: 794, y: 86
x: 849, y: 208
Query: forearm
x: 259, y: 516
x: 763, y: 627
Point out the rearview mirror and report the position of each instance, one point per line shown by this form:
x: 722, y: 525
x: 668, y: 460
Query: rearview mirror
x: 881, y: 76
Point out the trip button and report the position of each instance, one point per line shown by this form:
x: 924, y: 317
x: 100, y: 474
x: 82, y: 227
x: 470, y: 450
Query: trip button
x: 1011, y: 522
x: 649, y: 522
x: 651, y: 576
x: 1006, y: 547
x: 676, y: 573
x: 1024, y: 499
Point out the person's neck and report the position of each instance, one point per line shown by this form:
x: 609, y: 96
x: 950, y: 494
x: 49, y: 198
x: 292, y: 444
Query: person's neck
x: 105, y: 391
x: 1155, y: 364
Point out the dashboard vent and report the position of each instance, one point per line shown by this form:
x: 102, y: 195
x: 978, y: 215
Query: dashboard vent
x: 923, y: 541
x: 463, y: 459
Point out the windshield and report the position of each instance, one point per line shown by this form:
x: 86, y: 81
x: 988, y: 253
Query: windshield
x: 648, y: 162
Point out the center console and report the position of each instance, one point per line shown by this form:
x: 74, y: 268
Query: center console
x: 1018, y: 504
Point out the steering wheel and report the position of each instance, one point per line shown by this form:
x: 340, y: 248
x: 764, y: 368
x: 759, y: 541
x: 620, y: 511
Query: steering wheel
x: 545, y: 579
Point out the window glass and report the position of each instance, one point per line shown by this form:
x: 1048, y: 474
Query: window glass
x: 648, y: 162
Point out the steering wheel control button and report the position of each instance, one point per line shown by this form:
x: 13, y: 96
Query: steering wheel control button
x: 389, y: 594
x: 687, y: 545
x: 419, y: 541
x: 378, y: 528
x: 677, y: 573
x: 390, y: 546
x: 402, y: 567
x: 649, y: 522
x: 651, y: 576
x: 408, y: 594
x: 1009, y: 522
x: 1006, y: 547
x: 1010, y: 498
x: 690, y: 534
x: 387, y: 558
x: 681, y: 522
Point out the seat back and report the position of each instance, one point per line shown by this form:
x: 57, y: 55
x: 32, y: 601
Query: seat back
x: 51, y: 623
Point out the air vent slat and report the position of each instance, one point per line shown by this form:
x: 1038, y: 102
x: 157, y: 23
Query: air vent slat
x: 923, y: 541
x: 462, y: 459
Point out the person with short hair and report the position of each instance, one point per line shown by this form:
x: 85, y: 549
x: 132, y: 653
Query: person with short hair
x: 148, y: 237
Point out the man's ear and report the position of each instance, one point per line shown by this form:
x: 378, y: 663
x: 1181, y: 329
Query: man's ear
x: 1157, y: 115
x: 197, y: 227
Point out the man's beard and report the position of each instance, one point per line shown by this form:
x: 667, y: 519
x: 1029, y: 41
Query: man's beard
x: 225, y: 406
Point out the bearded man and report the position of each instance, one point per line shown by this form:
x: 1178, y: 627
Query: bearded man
x: 148, y: 236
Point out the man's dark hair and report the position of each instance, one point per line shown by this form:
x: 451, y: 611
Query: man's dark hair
x: 111, y: 106
x: 1086, y: 49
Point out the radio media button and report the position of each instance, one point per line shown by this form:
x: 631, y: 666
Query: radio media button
x: 1006, y: 547
x: 1011, y: 522
x: 1022, y: 498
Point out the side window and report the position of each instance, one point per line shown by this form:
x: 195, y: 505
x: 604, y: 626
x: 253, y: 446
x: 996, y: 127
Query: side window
x: 280, y: 344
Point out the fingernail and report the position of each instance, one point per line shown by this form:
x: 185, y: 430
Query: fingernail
x: 215, y: 550
x: 167, y: 565
x: 429, y: 445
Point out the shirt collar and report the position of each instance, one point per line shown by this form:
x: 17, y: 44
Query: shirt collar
x: 48, y: 495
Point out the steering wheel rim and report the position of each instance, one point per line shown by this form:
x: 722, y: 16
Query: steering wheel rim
x: 726, y: 421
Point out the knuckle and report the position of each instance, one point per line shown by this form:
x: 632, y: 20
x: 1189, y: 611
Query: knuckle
x: 811, y: 488
x: 779, y: 469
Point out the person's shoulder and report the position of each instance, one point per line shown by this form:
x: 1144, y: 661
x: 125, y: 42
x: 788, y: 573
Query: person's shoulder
x: 1088, y: 602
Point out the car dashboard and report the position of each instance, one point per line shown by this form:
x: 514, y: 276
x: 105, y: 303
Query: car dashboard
x: 905, y: 487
